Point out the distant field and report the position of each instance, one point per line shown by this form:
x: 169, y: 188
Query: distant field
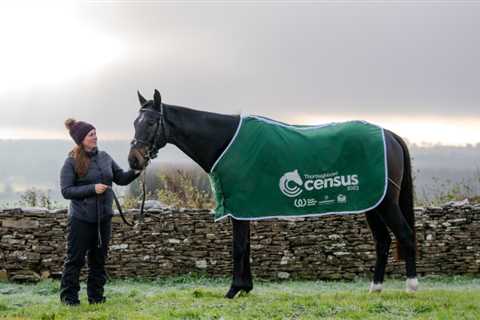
x: 202, y: 298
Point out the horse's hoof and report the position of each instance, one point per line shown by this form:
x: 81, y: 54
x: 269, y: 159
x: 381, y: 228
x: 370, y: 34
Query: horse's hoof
x: 375, y: 287
x: 232, y: 292
x: 412, y: 285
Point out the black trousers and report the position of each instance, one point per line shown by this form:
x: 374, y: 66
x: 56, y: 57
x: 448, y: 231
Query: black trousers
x: 82, y: 240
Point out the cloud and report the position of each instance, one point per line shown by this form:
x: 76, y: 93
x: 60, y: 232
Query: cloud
x: 277, y: 60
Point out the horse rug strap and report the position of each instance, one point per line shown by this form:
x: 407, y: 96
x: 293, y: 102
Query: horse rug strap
x: 274, y: 170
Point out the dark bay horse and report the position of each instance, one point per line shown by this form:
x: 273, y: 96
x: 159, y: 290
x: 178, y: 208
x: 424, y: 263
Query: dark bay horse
x: 203, y: 136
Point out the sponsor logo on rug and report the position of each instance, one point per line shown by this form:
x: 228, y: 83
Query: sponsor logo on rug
x: 292, y: 184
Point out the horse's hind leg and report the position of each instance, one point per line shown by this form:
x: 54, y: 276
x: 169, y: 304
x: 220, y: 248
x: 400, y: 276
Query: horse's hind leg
x: 242, y: 276
x: 395, y: 221
x: 382, y: 246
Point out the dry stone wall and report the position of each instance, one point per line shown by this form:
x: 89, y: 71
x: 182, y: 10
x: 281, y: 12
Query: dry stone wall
x: 32, y: 245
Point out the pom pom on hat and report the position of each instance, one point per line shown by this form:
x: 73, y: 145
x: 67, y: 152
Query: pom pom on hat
x: 78, y: 129
x: 69, y: 123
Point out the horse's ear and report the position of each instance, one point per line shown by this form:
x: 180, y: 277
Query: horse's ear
x: 141, y: 99
x: 157, y: 100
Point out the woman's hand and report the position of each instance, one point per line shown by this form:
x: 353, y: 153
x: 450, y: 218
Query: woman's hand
x: 100, y: 188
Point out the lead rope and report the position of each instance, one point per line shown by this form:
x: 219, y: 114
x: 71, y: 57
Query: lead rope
x: 142, y: 213
x: 99, y: 234
x: 119, y: 207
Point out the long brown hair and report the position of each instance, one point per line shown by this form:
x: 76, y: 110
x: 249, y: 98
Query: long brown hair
x: 82, y: 161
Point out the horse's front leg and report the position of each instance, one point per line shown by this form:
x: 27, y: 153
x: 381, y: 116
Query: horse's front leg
x: 242, y: 275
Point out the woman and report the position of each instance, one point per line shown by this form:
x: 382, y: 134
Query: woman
x: 86, y: 178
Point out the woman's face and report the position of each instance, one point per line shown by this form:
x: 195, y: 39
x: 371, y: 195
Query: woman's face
x: 90, y: 140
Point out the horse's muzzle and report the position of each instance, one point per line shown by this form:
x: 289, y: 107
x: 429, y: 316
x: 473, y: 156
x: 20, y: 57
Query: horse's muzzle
x: 136, y: 159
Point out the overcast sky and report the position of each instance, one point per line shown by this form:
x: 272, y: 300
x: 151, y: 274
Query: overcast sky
x: 411, y: 66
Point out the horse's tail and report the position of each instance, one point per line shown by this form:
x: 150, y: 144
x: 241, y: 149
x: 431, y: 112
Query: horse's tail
x: 406, y: 196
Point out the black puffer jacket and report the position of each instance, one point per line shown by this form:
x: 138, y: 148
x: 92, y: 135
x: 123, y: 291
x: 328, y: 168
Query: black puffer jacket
x: 81, y: 190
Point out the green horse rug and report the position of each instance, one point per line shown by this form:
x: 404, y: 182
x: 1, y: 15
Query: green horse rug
x: 275, y: 170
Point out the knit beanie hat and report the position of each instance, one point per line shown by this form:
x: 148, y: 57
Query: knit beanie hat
x: 78, y: 129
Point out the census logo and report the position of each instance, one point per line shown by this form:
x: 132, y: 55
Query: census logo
x: 292, y: 185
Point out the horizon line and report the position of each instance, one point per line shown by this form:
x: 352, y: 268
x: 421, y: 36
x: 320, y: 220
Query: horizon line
x: 422, y: 144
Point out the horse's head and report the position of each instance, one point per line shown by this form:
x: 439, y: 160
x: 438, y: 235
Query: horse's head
x: 149, y: 132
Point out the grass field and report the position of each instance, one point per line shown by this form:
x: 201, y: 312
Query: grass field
x: 202, y: 298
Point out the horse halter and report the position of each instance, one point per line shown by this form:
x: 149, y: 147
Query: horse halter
x: 157, y: 141
x: 152, y: 150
